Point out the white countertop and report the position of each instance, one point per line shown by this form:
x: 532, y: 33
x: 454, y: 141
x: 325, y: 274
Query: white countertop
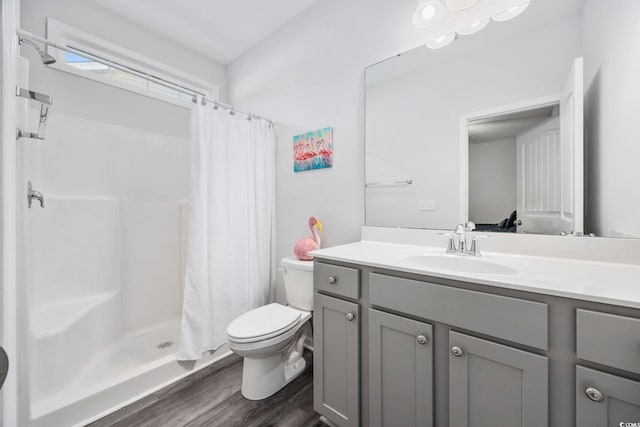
x: 603, y: 282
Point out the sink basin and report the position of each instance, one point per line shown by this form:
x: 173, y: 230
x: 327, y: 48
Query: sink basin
x: 459, y: 264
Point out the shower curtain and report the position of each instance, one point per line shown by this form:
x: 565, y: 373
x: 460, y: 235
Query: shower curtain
x: 230, y: 225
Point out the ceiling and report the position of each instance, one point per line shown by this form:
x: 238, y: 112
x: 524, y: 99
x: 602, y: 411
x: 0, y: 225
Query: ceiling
x: 508, y: 125
x: 220, y: 30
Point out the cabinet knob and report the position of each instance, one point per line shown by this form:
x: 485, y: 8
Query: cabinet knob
x: 332, y: 280
x: 456, y: 351
x: 594, y: 394
x: 350, y: 317
x: 422, y: 340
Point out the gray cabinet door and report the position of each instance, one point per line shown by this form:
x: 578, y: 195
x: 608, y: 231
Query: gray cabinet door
x: 604, y: 400
x: 336, y: 367
x: 400, y: 371
x: 495, y: 385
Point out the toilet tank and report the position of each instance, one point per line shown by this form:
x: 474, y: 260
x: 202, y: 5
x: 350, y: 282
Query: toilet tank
x: 298, y: 282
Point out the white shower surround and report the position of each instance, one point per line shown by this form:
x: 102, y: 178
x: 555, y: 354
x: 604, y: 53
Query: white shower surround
x: 104, y: 267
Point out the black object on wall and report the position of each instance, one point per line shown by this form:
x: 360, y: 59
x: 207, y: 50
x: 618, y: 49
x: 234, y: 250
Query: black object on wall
x: 4, y: 366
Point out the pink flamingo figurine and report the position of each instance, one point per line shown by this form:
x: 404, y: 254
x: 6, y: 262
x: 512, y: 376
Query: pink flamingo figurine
x: 308, y: 244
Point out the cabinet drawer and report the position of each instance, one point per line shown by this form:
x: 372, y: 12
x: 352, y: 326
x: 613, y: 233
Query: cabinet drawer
x: 609, y: 339
x: 336, y: 280
x: 512, y: 319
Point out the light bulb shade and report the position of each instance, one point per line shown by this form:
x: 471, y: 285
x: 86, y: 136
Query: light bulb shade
x: 511, y: 12
x: 427, y: 13
x: 458, y: 5
x: 473, y: 28
x: 441, y: 41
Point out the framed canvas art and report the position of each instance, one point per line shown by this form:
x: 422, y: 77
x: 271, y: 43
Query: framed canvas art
x: 313, y: 150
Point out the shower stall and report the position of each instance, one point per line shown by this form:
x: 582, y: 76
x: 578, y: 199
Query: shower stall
x: 104, y: 262
x: 100, y: 263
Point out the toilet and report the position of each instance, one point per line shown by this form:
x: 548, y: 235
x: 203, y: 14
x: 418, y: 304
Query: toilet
x: 270, y: 337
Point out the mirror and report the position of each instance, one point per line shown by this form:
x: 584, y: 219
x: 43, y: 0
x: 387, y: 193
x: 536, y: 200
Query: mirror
x: 490, y: 128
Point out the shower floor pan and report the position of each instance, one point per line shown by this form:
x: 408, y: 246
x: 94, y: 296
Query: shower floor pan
x: 133, y: 367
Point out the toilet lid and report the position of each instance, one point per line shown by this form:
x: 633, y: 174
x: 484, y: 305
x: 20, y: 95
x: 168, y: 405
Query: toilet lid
x: 293, y: 262
x: 264, y: 322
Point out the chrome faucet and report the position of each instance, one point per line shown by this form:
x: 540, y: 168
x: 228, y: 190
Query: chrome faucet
x: 32, y: 194
x: 461, y: 247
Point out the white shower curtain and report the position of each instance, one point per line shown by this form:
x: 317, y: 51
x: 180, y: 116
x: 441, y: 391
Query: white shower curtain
x: 230, y: 225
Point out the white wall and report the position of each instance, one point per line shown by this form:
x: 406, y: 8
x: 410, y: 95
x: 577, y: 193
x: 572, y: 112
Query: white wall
x: 612, y: 113
x: 310, y: 74
x: 492, y: 180
x: 92, y: 100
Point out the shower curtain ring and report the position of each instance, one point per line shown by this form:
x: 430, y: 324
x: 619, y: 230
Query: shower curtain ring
x: 204, y: 101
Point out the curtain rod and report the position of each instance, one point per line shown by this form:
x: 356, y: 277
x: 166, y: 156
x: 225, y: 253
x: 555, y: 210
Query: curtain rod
x: 147, y: 76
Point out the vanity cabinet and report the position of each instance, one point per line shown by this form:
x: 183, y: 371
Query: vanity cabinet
x: 489, y: 382
x: 495, y: 385
x: 400, y: 371
x: 336, y: 361
x: 396, y: 348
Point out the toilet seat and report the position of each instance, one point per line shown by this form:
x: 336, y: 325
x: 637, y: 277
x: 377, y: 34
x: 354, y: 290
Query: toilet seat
x: 263, y: 323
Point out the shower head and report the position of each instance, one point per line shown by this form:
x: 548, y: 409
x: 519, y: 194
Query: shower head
x: 44, y: 56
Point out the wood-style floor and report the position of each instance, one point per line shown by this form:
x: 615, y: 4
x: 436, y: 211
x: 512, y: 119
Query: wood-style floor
x: 211, y: 397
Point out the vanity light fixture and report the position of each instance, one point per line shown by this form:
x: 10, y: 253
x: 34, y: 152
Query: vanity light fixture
x: 427, y: 13
x: 511, y: 12
x: 441, y: 41
x: 458, y: 5
x: 473, y: 28
x: 447, y: 39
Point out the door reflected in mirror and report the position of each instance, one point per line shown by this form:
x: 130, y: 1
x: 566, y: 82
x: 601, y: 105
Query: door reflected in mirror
x: 515, y: 172
x: 525, y: 164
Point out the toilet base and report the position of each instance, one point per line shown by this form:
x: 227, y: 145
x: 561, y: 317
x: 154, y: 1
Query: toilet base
x: 264, y: 377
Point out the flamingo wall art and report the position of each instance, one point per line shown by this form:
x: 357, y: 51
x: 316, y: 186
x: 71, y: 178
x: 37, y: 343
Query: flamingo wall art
x: 313, y: 150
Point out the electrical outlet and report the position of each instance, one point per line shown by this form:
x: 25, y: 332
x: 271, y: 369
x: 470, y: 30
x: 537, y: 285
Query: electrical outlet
x: 427, y: 205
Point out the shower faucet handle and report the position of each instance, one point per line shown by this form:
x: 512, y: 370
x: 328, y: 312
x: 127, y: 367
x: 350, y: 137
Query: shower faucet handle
x: 32, y: 194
